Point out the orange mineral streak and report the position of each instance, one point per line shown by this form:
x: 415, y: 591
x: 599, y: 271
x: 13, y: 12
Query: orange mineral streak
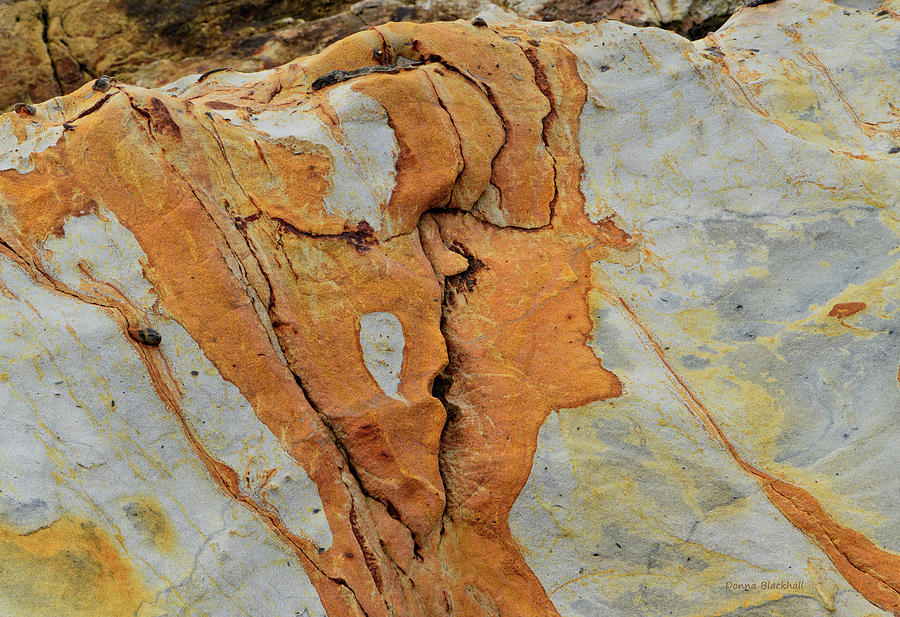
x: 430, y: 157
x: 478, y: 129
x: 873, y: 571
x: 522, y: 171
x: 867, y: 128
x: 846, y: 309
x: 241, y: 253
x: 170, y: 391
x: 190, y: 266
x: 516, y: 322
x: 392, y: 444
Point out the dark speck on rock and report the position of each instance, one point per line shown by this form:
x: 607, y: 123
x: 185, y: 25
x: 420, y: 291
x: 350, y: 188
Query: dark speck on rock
x: 479, y: 23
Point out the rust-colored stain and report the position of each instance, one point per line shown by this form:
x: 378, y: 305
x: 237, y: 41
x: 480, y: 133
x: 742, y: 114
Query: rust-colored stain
x: 845, y: 309
x: 71, y: 568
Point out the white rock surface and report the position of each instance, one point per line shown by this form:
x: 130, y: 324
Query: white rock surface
x: 15, y: 154
x: 362, y: 148
x: 381, y: 339
x: 758, y: 168
x: 86, y: 434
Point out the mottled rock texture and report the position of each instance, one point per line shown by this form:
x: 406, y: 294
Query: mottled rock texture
x: 506, y: 319
x: 52, y: 47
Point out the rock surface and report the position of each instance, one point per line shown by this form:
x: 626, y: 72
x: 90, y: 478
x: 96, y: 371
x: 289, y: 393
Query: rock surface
x: 52, y: 47
x: 514, y: 319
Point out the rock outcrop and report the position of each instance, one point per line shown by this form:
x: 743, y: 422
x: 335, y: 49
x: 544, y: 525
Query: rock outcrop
x: 52, y: 47
x: 492, y: 318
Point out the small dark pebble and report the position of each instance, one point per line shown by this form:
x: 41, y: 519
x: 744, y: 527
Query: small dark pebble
x: 101, y: 84
x: 24, y: 108
x: 880, y: 13
x: 604, y: 68
x: 534, y: 42
x: 68, y: 126
x: 195, y: 373
x: 479, y: 23
x: 894, y: 150
x: 148, y: 336
x: 752, y: 3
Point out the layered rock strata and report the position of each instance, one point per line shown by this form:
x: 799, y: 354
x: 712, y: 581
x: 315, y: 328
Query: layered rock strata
x: 52, y: 47
x: 505, y: 318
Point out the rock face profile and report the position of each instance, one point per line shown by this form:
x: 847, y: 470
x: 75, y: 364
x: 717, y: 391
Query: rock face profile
x: 478, y: 319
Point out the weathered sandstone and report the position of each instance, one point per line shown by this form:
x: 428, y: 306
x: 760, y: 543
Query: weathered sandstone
x: 502, y: 319
x: 52, y: 47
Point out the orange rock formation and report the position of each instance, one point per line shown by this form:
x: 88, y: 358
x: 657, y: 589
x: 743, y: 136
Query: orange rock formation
x: 483, y: 253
